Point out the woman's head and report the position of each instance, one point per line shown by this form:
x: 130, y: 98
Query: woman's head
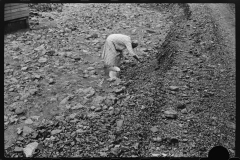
x: 134, y: 43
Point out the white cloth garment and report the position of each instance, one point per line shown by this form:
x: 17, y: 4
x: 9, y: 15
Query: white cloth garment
x: 113, y: 47
x: 112, y: 51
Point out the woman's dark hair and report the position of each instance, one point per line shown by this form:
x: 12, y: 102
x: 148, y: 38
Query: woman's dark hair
x: 134, y: 44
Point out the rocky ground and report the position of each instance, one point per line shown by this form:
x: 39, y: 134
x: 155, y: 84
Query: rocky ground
x: 179, y: 102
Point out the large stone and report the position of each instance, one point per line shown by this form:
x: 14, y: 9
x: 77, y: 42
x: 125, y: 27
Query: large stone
x: 89, y: 92
x: 150, y: 31
x: 20, y: 110
x: 18, y: 149
x: 90, y: 68
x: 56, y: 131
x: 181, y: 105
x: 29, y: 121
x: 174, y: 88
x: 98, y: 109
x: 154, y: 129
x: 119, y: 124
x: 78, y: 106
x: 98, y: 100
x: 184, y: 111
x: 30, y: 148
x: 27, y: 130
x: 73, y: 115
x: 171, y: 114
x: 42, y: 60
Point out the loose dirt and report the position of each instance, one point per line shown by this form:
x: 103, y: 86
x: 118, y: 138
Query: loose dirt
x: 180, y: 102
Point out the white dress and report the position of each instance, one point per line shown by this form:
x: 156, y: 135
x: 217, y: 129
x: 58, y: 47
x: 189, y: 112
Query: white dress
x: 113, y: 47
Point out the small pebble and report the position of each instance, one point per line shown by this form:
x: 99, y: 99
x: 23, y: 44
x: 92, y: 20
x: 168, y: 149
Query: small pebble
x: 184, y: 111
x: 184, y: 140
x: 110, y: 108
x: 92, y: 107
x: 105, y: 107
x: 98, y: 109
x: 28, y: 121
x: 18, y: 149
x: 173, y: 88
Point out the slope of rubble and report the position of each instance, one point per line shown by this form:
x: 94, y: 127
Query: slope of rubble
x: 180, y: 102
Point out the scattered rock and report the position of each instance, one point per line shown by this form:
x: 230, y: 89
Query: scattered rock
x: 157, y: 139
x: 29, y: 121
x: 37, y: 76
x: 73, y: 115
x: 143, y: 49
x: 164, y: 154
x: 155, y: 154
x: 207, y: 94
x: 18, y: 149
x: 24, y: 68
x: 136, y: 145
x: 143, y: 107
x: 115, y: 151
x: 51, y: 81
x: 62, y: 54
x: 93, y: 73
x: 59, y: 117
x: 111, y: 112
x: 110, y: 108
x: 65, y: 100
x: 42, y: 60
x: 19, y: 130
x: 102, y: 154
x: 30, y: 148
x: 56, y: 131
x: 134, y: 31
x: 95, y: 35
x: 184, y: 95
x: 98, y: 100
x: 92, y: 107
x: 117, y: 111
x: 13, y: 119
x: 11, y: 89
x: 80, y: 131
x: 181, y: 105
x: 35, y: 117
x: 50, y: 53
x: 171, y: 114
x: 39, y: 48
x: 110, y: 100
x: 154, y: 129
x: 180, y: 125
x: 119, y: 124
x: 98, y: 109
x: 78, y: 106
x: 19, y: 111
x: 67, y: 30
x: 231, y: 125
x: 105, y: 107
x: 232, y: 151
x: 184, y: 111
x: 184, y: 140
x: 88, y: 91
x: 85, y: 76
x: 173, y: 88
x: 90, y: 68
x: 27, y: 130
x: 185, y: 131
x: 119, y: 90
x: 150, y: 31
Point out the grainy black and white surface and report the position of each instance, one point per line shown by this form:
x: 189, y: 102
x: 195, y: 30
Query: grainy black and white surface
x: 180, y: 102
